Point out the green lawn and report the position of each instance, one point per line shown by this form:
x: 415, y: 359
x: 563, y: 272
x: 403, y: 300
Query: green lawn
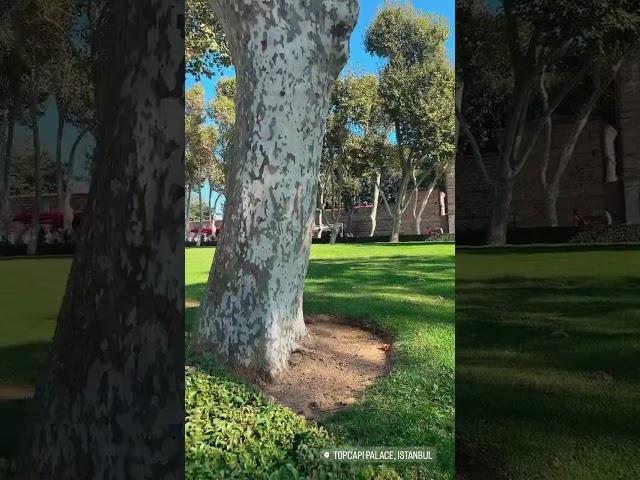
x: 406, y: 290
x: 30, y: 296
x: 548, y: 362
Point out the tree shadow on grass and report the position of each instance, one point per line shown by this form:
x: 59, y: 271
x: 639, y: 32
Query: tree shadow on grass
x: 20, y: 368
x: 549, y: 363
x: 400, y: 296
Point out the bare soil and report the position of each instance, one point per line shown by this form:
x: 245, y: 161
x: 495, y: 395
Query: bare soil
x: 337, y: 362
x: 9, y: 392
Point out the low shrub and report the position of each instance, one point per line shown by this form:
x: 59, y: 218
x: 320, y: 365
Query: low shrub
x: 233, y: 432
x: 610, y: 234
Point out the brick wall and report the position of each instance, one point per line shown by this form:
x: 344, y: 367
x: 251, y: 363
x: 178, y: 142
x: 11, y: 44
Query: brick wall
x: 582, y: 186
x: 359, y: 222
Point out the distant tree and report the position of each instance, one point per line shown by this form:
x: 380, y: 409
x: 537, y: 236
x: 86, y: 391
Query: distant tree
x: 335, y: 168
x: 23, y: 175
x: 417, y: 90
x: 370, y: 128
x: 222, y: 111
x: 206, y: 48
x: 528, y: 40
x: 201, y: 139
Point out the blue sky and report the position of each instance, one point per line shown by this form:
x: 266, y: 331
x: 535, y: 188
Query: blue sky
x: 360, y: 61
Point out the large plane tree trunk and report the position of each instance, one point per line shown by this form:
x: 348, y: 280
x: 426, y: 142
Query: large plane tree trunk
x: 287, y: 55
x: 112, y: 403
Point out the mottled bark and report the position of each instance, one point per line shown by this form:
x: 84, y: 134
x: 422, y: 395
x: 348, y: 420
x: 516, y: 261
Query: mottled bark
x: 37, y: 178
x: 112, y: 403
x: 287, y: 55
x: 374, y: 207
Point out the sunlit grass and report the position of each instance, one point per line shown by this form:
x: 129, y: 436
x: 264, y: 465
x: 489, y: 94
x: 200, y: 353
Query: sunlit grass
x: 548, y: 361
x: 407, y: 291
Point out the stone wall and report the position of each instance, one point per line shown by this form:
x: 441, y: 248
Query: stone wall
x: 629, y: 113
x: 583, y: 184
x: 358, y: 222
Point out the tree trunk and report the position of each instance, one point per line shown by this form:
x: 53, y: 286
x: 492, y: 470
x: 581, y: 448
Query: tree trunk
x: 499, y: 217
x: 425, y: 202
x: 112, y: 403
x: 374, y: 207
x: 59, y: 167
x: 400, y: 207
x: 215, y: 208
x: 37, y: 193
x: 4, y: 122
x: 187, y: 211
x: 396, y: 226
x: 320, y: 209
x: 287, y: 56
x: 68, y: 208
x: 200, y: 213
x: 211, y: 214
x: 7, y: 150
x: 552, y: 187
x: 551, y: 207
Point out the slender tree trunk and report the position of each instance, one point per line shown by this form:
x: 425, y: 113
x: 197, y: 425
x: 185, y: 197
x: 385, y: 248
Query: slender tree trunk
x: 59, y: 167
x: 187, y: 211
x: 5, y: 208
x: 551, y: 207
x: 215, y: 207
x: 400, y: 207
x: 425, y: 202
x: 336, y: 205
x: 551, y: 187
x: 200, y: 213
x: 414, y: 212
x: 112, y: 403
x: 374, y: 207
x: 4, y: 134
x: 287, y: 56
x: 320, y: 208
x: 68, y: 208
x: 211, y: 215
x: 396, y: 227
x: 37, y: 191
x: 499, y: 218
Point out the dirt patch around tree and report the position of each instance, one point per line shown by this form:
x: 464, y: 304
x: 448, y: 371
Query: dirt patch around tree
x: 337, y: 362
x: 10, y: 392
